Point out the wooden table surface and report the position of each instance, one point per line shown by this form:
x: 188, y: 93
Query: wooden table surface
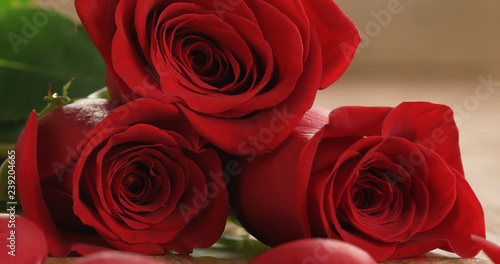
x: 479, y: 124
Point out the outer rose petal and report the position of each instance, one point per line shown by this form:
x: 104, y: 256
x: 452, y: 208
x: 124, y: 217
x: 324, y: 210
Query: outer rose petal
x: 337, y: 34
x: 34, y: 208
x: 217, y: 211
x: 356, y: 121
x: 490, y: 248
x: 116, y: 257
x: 98, y: 17
x: 466, y: 216
x: 55, y: 157
x: 27, y: 238
x: 283, y: 224
x: 315, y: 250
x: 428, y: 124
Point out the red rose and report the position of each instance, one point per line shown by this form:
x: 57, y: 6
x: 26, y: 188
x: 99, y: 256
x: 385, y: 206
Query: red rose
x: 244, y: 71
x: 136, y: 178
x: 389, y: 180
x: 314, y: 250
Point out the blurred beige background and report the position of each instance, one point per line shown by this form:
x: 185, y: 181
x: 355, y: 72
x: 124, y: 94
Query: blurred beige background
x: 426, y: 38
x: 437, y: 51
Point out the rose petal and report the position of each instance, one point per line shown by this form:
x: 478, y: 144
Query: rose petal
x: 466, y: 216
x: 430, y: 125
x: 54, y: 157
x: 99, y: 20
x: 213, y: 215
x: 314, y: 250
x: 337, y: 34
x: 20, y: 235
x: 353, y: 121
x: 115, y: 257
x: 34, y: 207
x: 131, y: 70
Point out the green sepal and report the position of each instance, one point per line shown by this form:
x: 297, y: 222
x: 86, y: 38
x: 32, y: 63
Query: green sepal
x: 56, y: 101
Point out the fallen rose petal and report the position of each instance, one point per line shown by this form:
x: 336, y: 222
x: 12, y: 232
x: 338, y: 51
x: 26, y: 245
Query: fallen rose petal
x: 314, y: 250
x: 491, y: 249
x: 115, y: 257
x: 25, y: 242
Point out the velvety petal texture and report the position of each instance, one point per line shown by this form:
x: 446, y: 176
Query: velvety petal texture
x: 231, y: 65
x: 388, y: 180
x: 315, y: 250
x: 134, y: 177
x: 35, y: 208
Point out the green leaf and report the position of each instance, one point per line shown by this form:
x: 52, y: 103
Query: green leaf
x: 4, y: 178
x: 15, y: 3
x: 41, y: 48
x: 3, y: 181
x: 4, y: 150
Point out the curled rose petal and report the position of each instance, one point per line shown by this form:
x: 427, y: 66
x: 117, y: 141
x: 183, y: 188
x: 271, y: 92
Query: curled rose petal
x: 315, y: 250
x: 491, y: 249
x: 24, y: 242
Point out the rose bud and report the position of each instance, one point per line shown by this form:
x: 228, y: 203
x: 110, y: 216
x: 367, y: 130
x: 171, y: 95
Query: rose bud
x: 244, y: 72
x: 314, y: 250
x: 388, y: 180
x: 115, y: 257
x: 135, y: 178
x: 490, y: 248
x: 22, y: 241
